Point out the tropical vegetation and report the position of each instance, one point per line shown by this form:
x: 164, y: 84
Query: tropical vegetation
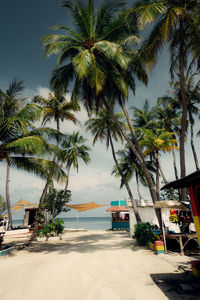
x: 102, y: 59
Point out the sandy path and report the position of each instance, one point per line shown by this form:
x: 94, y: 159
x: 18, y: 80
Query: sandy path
x: 93, y: 265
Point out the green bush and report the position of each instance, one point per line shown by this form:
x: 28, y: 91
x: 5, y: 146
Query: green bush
x: 143, y: 233
x: 52, y: 229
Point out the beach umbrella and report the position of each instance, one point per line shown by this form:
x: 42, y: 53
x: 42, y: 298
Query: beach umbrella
x: 84, y: 207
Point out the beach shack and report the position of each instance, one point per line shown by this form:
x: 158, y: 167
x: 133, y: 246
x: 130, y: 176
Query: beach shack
x: 120, y: 215
x: 192, y: 182
x: 30, y: 216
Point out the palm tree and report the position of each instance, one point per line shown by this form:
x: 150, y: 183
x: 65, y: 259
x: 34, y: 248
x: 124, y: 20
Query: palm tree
x: 145, y: 117
x: 130, y: 166
x: 19, y: 140
x: 174, y: 25
x: 99, y: 61
x: 193, y: 95
x: 154, y: 142
x: 103, y: 128
x: 168, y: 115
x: 57, y: 108
x: 73, y: 149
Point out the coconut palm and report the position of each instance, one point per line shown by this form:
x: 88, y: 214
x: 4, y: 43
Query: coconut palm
x: 56, y: 108
x: 104, y: 128
x: 73, y: 149
x: 18, y: 137
x: 130, y: 167
x: 99, y: 61
x: 174, y: 25
x: 154, y: 142
x: 168, y: 115
x: 145, y: 117
x: 193, y: 95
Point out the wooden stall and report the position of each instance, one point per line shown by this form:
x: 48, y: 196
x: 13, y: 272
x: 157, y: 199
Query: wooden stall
x: 120, y: 215
x: 192, y: 182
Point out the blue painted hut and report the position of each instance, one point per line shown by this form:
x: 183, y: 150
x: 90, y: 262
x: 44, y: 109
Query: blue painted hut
x: 120, y: 215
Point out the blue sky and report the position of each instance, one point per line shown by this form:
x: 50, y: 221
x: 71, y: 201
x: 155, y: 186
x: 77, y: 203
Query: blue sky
x: 23, y: 24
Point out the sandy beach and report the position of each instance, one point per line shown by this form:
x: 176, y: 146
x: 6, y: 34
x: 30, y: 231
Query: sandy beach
x: 86, y: 265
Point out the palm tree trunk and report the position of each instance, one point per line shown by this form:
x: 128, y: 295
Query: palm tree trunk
x: 162, y: 173
x: 139, y: 155
x: 54, y: 159
x: 137, y: 216
x: 138, y: 185
x: 44, y: 192
x: 8, y: 195
x: 192, y: 146
x: 67, y: 181
x: 165, y: 179
x: 136, y: 150
x: 176, y: 172
x: 157, y: 175
x: 184, y: 107
x: 174, y: 163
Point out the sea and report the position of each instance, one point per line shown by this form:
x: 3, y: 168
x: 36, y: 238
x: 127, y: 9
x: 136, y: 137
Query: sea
x: 88, y: 223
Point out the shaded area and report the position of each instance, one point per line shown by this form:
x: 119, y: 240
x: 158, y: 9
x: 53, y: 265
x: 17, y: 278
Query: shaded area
x: 178, y: 286
x: 86, y: 243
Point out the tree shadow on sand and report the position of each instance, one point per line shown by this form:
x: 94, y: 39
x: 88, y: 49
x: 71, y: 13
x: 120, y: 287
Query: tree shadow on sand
x: 86, y: 242
x: 178, y: 286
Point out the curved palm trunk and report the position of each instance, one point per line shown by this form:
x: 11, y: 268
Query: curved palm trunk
x: 164, y: 178
x: 44, y: 192
x: 7, y: 194
x: 140, y: 156
x: 67, y: 181
x: 192, y: 146
x: 136, y: 150
x: 174, y: 164
x: 157, y: 175
x: 162, y: 173
x: 184, y: 107
x: 138, y: 186
x: 138, y: 219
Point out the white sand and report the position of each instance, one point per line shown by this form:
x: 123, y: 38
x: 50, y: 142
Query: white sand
x: 92, y: 265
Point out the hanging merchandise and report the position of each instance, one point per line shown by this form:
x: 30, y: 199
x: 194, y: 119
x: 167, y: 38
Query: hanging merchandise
x: 173, y: 216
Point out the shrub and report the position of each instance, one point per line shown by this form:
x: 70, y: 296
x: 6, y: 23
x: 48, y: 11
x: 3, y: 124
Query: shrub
x: 143, y: 233
x: 52, y: 229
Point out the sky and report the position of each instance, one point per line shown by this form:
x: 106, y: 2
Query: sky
x: 23, y: 24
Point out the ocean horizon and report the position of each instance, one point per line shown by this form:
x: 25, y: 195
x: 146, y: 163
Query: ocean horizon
x: 88, y: 223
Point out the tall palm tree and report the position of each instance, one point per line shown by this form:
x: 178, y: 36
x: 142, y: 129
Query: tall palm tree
x: 57, y: 108
x: 154, y: 142
x: 145, y: 117
x: 130, y: 166
x: 103, y: 128
x: 168, y: 116
x: 193, y: 95
x: 99, y: 61
x: 19, y: 140
x: 73, y: 149
x: 174, y: 25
